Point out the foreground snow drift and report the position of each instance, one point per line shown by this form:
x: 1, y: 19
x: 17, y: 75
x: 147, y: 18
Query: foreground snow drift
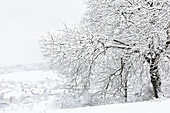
x: 142, y: 107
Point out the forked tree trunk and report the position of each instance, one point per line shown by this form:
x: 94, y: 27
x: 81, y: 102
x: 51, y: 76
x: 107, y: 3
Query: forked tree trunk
x: 152, y: 58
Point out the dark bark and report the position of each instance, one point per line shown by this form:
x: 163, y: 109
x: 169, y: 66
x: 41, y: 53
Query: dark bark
x: 155, y: 80
x: 152, y: 58
x: 126, y: 89
x: 125, y: 84
x: 125, y: 80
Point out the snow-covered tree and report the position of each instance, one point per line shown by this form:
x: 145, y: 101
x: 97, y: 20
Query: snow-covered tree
x: 106, y: 54
x: 141, y: 26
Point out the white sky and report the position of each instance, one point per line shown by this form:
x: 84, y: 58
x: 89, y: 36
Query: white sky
x: 23, y: 22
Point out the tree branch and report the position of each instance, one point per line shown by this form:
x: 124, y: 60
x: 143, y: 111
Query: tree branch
x: 119, y: 47
x: 120, y: 42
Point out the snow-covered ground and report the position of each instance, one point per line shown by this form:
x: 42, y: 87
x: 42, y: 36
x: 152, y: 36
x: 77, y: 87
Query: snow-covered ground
x: 26, y: 89
x: 158, y: 106
x: 142, y: 107
x: 40, y: 92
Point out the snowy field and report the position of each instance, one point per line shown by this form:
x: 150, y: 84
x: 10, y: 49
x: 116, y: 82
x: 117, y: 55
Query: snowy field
x: 157, y: 106
x: 40, y: 92
x: 27, y: 89
x: 143, y: 107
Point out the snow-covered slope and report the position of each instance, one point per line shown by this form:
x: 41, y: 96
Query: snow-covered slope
x: 41, y: 91
x: 142, y: 107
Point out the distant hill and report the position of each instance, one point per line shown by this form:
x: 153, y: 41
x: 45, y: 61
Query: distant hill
x: 25, y: 67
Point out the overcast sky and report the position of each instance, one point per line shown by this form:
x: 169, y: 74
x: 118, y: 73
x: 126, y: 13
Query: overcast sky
x: 23, y: 22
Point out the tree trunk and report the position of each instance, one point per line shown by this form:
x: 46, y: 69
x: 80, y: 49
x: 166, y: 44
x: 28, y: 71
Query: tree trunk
x: 152, y: 57
x: 126, y: 83
x: 155, y: 79
x: 126, y: 90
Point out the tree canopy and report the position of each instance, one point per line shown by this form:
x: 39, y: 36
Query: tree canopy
x: 115, y: 50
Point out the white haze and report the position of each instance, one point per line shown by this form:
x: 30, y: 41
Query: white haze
x: 23, y: 22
